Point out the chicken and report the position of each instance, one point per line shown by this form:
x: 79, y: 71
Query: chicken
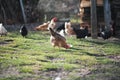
x: 68, y: 29
x: 58, y: 40
x: 23, y: 31
x: 81, y: 32
x: 3, y: 31
x: 105, y: 34
x: 60, y: 27
x: 52, y: 23
x: 42, y: 27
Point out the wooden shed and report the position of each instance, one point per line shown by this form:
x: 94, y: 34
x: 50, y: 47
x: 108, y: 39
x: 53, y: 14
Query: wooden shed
x: 84, y: 10
x: 106, y: 11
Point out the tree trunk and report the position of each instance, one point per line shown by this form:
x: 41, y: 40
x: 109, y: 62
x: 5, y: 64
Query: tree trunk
x: 94, y: 30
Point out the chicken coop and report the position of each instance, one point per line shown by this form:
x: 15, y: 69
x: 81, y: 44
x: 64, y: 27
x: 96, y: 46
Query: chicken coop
x: 104, y: 15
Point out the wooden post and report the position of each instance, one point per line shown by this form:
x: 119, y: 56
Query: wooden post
x: 93, y: 20
x: 23, y: 12
x: 107, y: 14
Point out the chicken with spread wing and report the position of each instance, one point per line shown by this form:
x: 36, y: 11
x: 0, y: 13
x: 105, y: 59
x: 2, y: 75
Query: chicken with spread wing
x: 57, y: 40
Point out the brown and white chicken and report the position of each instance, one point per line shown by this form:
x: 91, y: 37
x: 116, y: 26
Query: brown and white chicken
x: 68, y: 29
x: 42, y: 27
x: 57, y: 40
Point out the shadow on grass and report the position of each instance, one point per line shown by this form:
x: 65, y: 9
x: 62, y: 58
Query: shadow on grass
x: 102, y: 42
x: 96, y: 42
x: 96, y: 55
x: 6, y: 41
x: 75, y: 48
x: 71, y: 49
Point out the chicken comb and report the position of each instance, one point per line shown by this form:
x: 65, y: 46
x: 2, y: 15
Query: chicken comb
x: 54, y: 19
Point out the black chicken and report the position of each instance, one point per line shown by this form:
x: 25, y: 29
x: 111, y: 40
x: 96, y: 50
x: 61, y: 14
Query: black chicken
x: 23, y: 31
x: 60, y: 27
x: 105, y: 34
x: 81, y: 33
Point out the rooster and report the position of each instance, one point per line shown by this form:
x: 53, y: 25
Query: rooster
x: 3, y: 31
x: 23, y: 31
x: 58, y: 40
x: 42, y: 27
x: 105, y: 34
x: 52, y: 23
x: 68, y: 29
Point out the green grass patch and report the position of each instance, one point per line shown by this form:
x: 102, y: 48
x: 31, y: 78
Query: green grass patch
x: 35, y: 54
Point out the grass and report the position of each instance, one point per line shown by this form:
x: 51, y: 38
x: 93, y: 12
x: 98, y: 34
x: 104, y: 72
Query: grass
x: 34, y: 58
